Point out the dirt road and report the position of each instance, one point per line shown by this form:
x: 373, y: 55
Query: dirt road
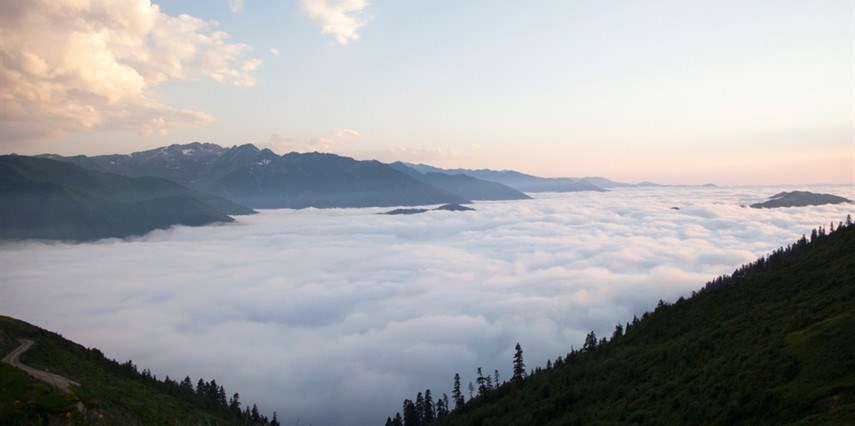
x: 54, y: 380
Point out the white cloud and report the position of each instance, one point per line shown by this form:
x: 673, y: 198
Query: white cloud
x: 339, y: 17
x: 274, y: 51
x: 236, y: 5
x: 99, y: 63
x: 332, y: 141
x: 283, y: 144
x: 346, y: 133
x: 411, y: 154
x: 321, y: 144
x: 296, y: 308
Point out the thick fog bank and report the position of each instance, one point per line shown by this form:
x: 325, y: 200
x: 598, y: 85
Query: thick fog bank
x: 335, y: 316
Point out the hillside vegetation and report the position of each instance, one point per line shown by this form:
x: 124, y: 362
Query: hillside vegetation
x: 774, y: 343
x: 110, y: 393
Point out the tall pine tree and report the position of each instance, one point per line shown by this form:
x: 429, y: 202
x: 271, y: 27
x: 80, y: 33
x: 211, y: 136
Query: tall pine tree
x: 456, y: 393
x: 519, y: 365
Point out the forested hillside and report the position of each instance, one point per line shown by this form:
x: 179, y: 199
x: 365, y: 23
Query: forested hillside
x: 110, y: 393
x: 773, y: 343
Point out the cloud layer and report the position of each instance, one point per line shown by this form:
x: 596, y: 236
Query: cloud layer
x: 334, y: 316
x: 79, y: 66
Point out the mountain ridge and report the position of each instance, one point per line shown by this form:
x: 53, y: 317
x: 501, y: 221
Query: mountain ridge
x: 260, y: 178
x: 49, y: 199
x: 465, y: 185
x: 516, y: 180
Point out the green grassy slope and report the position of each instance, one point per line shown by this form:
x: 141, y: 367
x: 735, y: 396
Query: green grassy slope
x: 775, y: 344
x: 111, y: 393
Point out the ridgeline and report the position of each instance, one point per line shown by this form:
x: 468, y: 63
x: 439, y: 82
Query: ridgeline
x: 773, y: 343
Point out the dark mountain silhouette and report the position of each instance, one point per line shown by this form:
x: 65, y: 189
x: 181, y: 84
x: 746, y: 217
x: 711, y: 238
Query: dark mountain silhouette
x: 48, y: 199
x: 454, y: 208
x: 262, y: 179
x: 445, y: 207
x: 464, y: 185
x: 405, y: 211
x: 770, y: 344
x: 519, y: 181
x: 799, y: 199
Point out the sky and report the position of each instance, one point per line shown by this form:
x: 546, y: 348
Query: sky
x: 731, y: 92
x: 335, y: 316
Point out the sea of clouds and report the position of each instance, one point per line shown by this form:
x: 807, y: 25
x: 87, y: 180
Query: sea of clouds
x: 335, y: 316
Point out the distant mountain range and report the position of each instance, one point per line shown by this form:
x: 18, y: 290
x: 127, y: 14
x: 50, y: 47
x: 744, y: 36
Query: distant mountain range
x: 48, y: 199
x: 260, y: 178
x: 799, y: 199
x: 516, y: 180
x: 463, y: 185
x: 82, y: 197
x: 528, y: 183
x: 607, y: 183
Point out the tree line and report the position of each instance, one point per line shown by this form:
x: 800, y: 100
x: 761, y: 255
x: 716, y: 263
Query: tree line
x: 208, y: 395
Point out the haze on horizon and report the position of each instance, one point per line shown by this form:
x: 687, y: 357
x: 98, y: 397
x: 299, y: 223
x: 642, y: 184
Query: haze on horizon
x: 727, y: 92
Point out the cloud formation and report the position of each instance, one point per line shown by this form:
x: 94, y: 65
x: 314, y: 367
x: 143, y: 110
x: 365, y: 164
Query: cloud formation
x: 283, y: 144
x: 334, y: 316
x: 338, y: 17
x: 332, y: 141
x: 70, y: 66
x: 236, y: 5
x: 437, y: 156
x: 346, y: 133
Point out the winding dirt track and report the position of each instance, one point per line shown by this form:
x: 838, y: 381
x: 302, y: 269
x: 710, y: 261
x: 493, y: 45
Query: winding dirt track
x: 55, y: 380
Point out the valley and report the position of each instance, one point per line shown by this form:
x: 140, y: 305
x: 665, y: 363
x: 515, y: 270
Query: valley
x: 375, y: 307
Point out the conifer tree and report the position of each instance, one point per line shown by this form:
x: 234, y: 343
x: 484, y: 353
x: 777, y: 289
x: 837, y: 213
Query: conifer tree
x: 187, y: 384
x: 456, y: 393
x: 519, y: 365
x: 428, y: 414
x: 221, y: 397
x: 254, y: 415
x: 411, y: 416
x: 234, y: 403
x: 618, y: 332
x: 440, y: 414
x: 420, y: 407
x: 590, y: 342
x: 483, y: 383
